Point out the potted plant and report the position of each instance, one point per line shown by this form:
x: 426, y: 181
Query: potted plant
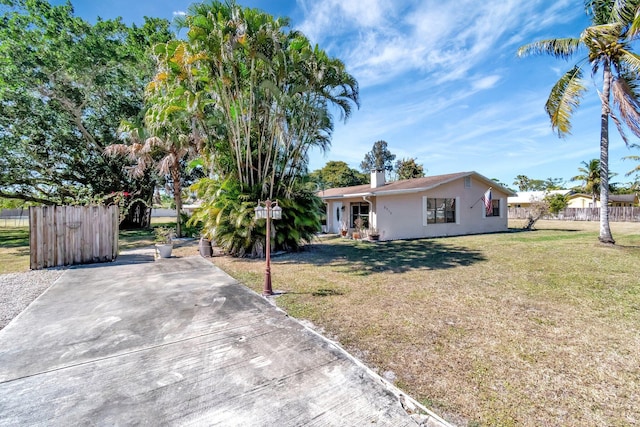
x: 374, y: 235
x: 358, y: 225
x: 343, y: 229
x: 164, y: 241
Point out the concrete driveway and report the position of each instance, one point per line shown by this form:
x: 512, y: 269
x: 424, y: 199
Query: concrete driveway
x: 179, y: 342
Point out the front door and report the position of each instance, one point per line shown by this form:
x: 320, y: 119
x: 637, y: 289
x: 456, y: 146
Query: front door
x: 337, y: 217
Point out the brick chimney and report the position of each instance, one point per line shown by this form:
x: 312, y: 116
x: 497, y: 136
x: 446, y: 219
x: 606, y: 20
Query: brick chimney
x: 377, y: 178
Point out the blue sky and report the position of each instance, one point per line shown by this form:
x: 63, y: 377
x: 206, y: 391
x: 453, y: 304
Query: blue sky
x: 440, y: 80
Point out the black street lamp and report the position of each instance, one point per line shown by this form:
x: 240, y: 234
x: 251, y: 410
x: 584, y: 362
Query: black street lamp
x: 268, y: 210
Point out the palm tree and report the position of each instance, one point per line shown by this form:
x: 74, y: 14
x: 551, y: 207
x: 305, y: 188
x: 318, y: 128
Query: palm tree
x: 270, y: 92
x: 148, y: 151
x: 590, y: 177
x: 267, y: 96
x: 608, y: 41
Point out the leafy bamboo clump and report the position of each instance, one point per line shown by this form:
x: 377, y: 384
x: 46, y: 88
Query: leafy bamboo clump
x: 253, y: 99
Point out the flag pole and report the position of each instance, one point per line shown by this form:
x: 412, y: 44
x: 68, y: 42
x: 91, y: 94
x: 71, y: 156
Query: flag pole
x: 481, y: 197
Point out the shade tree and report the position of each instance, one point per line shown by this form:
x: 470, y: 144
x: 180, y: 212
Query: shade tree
x: 337, y: 174
x: 408, y: 168
x: 65, y: 86
x: 524, y: 183
x: 378, y: 159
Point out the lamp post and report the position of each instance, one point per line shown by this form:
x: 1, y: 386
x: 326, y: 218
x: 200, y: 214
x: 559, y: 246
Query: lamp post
x: 268, y: 210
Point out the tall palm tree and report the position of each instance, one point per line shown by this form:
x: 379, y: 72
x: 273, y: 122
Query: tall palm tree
x: 607, y: 43
x: 590, y: 177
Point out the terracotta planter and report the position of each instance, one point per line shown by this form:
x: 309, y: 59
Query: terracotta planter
x: 356, y: 235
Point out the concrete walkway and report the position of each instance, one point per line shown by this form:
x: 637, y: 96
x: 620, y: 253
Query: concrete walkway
x: 179, y: 342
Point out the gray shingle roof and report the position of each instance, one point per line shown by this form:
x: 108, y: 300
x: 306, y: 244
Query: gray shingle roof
x: 403, y: 186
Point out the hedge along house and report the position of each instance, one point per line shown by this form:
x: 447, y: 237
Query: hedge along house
x: 434, y: 206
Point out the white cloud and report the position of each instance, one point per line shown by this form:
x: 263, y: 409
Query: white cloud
x: 485, y: 82
x: 440, y: 81
x: 332, y: 17
x: 179, y: 13
x: 380, y: 40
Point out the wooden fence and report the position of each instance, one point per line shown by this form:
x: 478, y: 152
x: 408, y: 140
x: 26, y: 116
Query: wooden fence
x: 66, y: 235
x: 616, y: 214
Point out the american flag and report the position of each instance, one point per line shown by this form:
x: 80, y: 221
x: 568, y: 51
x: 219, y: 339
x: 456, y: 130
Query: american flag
x: 487, y: 202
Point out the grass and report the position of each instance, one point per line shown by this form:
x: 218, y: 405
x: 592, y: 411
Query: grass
x: 14, y: 243
x: 14, y: 249
x: 522, y: 328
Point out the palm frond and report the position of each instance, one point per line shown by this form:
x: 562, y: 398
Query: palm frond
x: 610, y: 11
x: 634, y: 28
x: 599, y: 10
x: 619, y: 126
x: 116, y: 150
x: 560, y: 48
x: 154, y: 141
x: 627, y: 103
x: 564, y: 99
x: 625, y: 11
x: 165, y: 164
x: 634, y: 170
x: 630, y: 61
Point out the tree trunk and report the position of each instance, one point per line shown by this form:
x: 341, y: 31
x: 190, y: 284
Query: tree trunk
x: 605, y: 231
x: 177, y: 196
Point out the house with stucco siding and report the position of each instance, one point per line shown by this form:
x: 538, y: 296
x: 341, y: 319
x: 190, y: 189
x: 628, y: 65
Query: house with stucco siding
x: 433, y: 206
x: 581, y: 200
x: 524, y: 199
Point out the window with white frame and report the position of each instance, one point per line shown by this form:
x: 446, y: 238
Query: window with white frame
x: 440, y: 210
x: 495, y: 208
x: 360, y: 210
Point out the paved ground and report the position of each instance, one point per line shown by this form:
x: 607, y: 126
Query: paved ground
x: 178, y: 342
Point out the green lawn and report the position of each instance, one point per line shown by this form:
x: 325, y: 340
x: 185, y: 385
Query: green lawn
x: 14, y: 249
x: 14, y: 244
x: 522, y: 328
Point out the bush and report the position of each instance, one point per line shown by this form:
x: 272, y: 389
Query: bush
x: 189, y: 227
x: 227, y: 215
x: 557, y: 202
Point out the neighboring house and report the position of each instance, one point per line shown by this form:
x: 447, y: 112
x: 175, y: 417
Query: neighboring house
x: 574, y: 200
x: 623, y: 200
x: 443, y: 205
x: 582, y: 200
x: 524, y: 198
